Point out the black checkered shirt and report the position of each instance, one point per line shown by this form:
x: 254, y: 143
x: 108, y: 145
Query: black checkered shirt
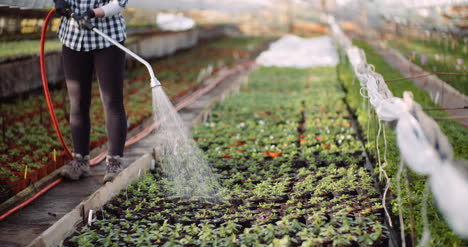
x: 80, y: 39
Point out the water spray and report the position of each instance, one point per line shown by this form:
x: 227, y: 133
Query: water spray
x: 181, y: 160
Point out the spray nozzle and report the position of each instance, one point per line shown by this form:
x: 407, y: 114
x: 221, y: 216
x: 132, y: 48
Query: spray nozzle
x: 155, y: 82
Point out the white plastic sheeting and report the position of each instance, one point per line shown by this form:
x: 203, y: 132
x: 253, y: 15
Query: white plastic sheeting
x: 424, y: 148
x: 171, y: 22
x: 297, y: 52
x: 422, y: 3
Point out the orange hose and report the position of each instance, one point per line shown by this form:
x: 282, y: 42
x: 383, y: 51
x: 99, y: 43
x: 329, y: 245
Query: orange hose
x: 46, y: 87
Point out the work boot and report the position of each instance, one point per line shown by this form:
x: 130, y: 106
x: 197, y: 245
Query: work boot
x: 78, y: 167
x: 114, y: 166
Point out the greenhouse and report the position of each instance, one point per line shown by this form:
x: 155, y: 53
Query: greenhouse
x: 234, y: 123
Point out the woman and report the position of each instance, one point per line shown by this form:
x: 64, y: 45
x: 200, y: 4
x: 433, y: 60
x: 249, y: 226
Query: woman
x: 84, y: 52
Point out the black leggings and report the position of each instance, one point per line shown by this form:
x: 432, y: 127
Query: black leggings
x: 109, y: 64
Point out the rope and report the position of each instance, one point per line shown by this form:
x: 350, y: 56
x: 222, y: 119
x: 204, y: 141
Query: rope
x: 446, y: 108
x: 387, y: 179
x: 368, y: 122
x: 400, y: 211
x: 451, y: 118
x: 425, y: 75
x: 410, y: 201
x: 376, y: 141
x: 426, y: 236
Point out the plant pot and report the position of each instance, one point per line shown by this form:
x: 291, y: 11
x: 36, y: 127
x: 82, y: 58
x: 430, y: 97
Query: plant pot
x: 60, y: 161
x: 31, y: 177
x: 41, y: 172
x: 17, y: 186
x: 5, y: 193
x: 19, y: 175
x: 50, y: 166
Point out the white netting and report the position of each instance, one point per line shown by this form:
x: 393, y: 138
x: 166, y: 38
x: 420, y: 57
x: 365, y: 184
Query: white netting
x: 297, y: 52
x: 423, y: 146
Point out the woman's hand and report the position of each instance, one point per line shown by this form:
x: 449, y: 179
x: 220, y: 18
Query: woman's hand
x: 84, y: 19
x: 62, y: 8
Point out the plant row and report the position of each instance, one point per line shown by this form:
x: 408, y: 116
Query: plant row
x: 439, y: 55
x: 291, y: 169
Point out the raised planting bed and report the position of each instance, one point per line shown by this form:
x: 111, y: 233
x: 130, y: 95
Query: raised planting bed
x: 412, y: 185
x: 25, y: 47
x: 438, y: 55
x: 27, y: 135
x: 291, y: 170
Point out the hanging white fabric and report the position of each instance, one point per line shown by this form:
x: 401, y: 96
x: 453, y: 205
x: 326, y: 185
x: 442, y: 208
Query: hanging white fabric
x: 449, y: 185
x: 423, y: 146
x: 438, y: 141
x: 415, y: 150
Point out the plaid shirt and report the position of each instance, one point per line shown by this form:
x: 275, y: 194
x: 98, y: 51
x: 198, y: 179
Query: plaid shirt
x: 80, y: 39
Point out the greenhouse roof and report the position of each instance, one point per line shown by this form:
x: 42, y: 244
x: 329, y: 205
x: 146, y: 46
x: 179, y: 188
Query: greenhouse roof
x: 429, y: 14
x: 223, y: 5
x: 421, y: 3
x: 236, y: 5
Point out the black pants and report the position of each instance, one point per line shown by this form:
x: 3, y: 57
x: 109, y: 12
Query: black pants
x: 109, y: 64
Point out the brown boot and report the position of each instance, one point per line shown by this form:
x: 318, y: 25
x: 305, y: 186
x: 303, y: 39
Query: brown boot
x: 78, y: 167
x: 114, y: 166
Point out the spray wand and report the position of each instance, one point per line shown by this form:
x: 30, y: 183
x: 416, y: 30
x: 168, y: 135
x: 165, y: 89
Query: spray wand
x: 87, y: 24
x: 154, y: 81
